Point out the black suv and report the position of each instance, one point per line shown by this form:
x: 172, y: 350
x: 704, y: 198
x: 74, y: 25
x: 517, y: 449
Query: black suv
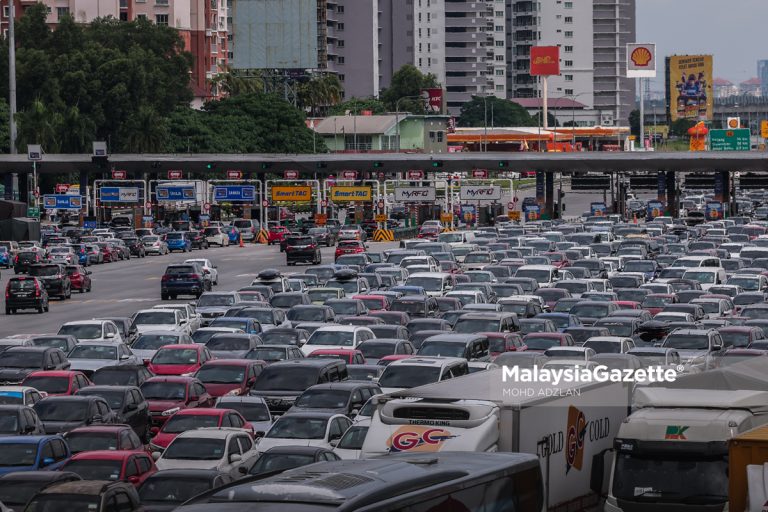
x: 24, y: 259
x: 54, y: 277
x: 302, y: 249
x: 25, y: 293
x: 198, y: 240
x: 17, y: 363
x: 183, y: 279
x: 135, y: 246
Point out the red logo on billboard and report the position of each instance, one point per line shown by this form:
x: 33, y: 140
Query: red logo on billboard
x: 175, y: 175
x: 433, y: 100
x: 574, y: 439
x: 412, y: 438
x: 233, y: 174
x: 62, y: 188
x: 119, y: 175
x: 291, y: 175
x: 545, y: 60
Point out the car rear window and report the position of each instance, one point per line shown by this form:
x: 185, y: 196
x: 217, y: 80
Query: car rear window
x: 22, y: 284
x: 180, y: 270
x: 299, y: 241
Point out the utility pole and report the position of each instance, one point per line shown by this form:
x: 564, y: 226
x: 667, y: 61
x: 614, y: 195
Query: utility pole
x: 12, y: 74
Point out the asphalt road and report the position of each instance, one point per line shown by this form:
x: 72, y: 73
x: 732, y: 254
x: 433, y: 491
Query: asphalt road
x: 122, y: 288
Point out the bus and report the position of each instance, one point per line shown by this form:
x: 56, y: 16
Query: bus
x: 426, y: 481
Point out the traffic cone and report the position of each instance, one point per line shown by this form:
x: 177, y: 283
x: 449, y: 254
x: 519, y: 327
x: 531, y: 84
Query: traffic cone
x: 241, y: 240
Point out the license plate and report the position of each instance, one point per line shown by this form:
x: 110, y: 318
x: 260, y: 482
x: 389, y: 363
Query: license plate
x: 23, y: 294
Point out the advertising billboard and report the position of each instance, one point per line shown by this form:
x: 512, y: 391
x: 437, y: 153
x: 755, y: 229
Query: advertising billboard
x: 295, y: 194
x: 545, y: 60
x: 119, y: 194
x: 346, y: 194
x: 246, y: 193
x: 180, y: 193
x: 641, y: 60
x: 433, y: 100
x: 689, y: 87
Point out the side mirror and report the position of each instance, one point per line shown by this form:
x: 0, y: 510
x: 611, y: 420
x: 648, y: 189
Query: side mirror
x: 259, y: 433
x: 134, y: 479
x: 235, y: 457
x: 155, y: 456
x: 124, y: 357
x: 47, y: 462
x: 242, y: 470
x: 334, y: 443
x: 131, y: 407
x: 154, y: 430
x: 194, y: 398
x: 110, y: 335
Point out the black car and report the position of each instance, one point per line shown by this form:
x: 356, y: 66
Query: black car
x: 17, y: 363
x: 324, y: 236
x: 123, y: 375
x: 24, y: 259
x: 25, y: 293
x: 183, y: 279
x: 166, y: 490
x: 17, y: 488
x: 63, y: 413
x: 198, y: 240
x: 127, y: 402
x: 281, y: 458
x: 135, y: 246
x: 54, y: 277
x: 302, y: 249
x: 19, y: 420
x: 285, y: 336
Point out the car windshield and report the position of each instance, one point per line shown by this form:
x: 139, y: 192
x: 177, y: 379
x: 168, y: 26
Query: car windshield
x: 709, y: 306
x: 477, y: 257
x: 334, y: 338
x: 285, y: 379
x: 18, y: 454
x: 541, y: 343
x: 51, y: 385
x: 350, y: 286
x: 175, y: 356
x: 442, y: 348
x: 82, y: 331
x: 190, y: 448
x: 639, y: 266
x: 431, y: 284
x: 61, y: 410
x: 154, y: 341
x: 267, y: 354
x: 93, y: 352
x: 323, y: 399
x: 344, y: 308
x: 44, y: 271
x: 687, y: 341
x: 306, y: 315
x: 250, y: 411
x: 270, y: 462
x: 174, y: 236
x: 408, y: 376
x: 179, y: 423
x: 322, y: 295
x: 746, y: 282
x: 225, y: 342
x: 215, y: 300
x: 164, y: 390
x: 472, y: 325
x: 700, y: 276
x: 373, y: 350
x: 617, y: 328
x: 571, y: 287
x: 221, y: 374
x: 113, y: 397
x: 656, y: 302
x: 590, y: 310
x: 53, y: 342
x: 604, y: 347
x: 634, y: 295
x: 263, y: 316
x: 20, y: 359
x: 415, y: 308
x: 541, y: 276
x: 89, y: 441
x: 155, y: 317
x: 171, y: 489
x: 735, y: 339
x: 293, y: 427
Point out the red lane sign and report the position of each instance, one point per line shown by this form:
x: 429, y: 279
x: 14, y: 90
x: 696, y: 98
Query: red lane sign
x: 62, y: 188
x: 148, y: 206
x: 479, y: 173
x: 324, y: 203
x: 349, y: 175
x: 119, y: 175
x: 415, y: 175
x: 291, y: 175
x: 265, y: 203
x: 175, y: 175
x: 207, y: 206
x: 511, y: 205
x: 233, y: 174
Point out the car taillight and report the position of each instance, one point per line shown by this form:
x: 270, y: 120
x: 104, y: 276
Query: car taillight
x: 194, y: 276
x: 165, y: 277
x: 37, y: 289
x: 17, y: 259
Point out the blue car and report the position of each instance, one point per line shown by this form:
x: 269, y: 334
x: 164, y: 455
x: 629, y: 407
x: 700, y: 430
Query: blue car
x: 247, y: 325
x: 234, y: 235
x: 32, y: 453
x: 5, y: 257
x: 561, y: 320
x: 178, y: 241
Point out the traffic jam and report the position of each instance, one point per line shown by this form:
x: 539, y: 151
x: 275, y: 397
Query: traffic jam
x: 349, y: 382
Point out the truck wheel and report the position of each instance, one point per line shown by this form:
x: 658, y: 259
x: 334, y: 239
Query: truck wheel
x: 163, y: 296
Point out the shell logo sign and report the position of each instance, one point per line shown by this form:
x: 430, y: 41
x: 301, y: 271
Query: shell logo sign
x: 733, y: 123
x: 641, y: 56
x: 412, y: 438
x: 641, y: 60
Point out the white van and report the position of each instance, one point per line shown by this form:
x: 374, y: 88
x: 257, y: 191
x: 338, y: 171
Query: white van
x: 706, y: 276
x: 436, y: 284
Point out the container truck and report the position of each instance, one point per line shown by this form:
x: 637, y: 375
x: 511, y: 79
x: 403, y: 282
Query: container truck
x: 570, y: 426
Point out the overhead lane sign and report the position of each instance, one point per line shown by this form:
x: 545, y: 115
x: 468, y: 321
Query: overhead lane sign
x: 180, y: 193
x: 245, y: 193
x: 62, y: 202
x: 119, y: 194
x: 347, y: 194
x: 480, y: 193
x: 294, y: 194
x: 414, y: 194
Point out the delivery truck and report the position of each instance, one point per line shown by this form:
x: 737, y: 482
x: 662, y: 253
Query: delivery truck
x: 569, y: 426
x: 671, y: 453
x: 747, y: 470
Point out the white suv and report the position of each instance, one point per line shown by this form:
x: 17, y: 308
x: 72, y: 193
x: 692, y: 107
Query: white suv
x: 222, y: 449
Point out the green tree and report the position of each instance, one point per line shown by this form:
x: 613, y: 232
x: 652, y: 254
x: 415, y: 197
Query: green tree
x: 406, y: 86
x: 146, y: 131
x: 235, y: 82
x: 551, y: 119
x: 320, y: 93
x: 357, y: 105
x: 503, y: 112
x: 680, y: 127
x: 38, y: 125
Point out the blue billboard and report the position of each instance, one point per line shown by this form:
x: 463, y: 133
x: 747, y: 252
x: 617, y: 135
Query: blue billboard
x: 175, y: 193
x: 714, y: 210
x: 234, y: 193
x: 532, y: 212
x: 62, y: 202
x: 655, y: 209
x: 598, y: 209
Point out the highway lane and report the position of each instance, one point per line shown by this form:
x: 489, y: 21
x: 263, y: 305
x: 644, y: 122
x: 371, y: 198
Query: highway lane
x: 122, y: 288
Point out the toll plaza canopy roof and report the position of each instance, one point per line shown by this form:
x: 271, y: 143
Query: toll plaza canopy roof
x: 326, y: 163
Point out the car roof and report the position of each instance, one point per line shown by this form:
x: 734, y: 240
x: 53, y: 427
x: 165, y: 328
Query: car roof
x: 296, y: 450
x: 85, y: 487
x: 104, y: 455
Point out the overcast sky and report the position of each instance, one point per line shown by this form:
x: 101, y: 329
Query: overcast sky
x: 732, y: 31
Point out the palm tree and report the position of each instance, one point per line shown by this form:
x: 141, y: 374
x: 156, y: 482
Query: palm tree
x: 320, y: 93
x: 37, y: 125
x: 147, y: 131
x: 233, y: 82
x: 77, y: 131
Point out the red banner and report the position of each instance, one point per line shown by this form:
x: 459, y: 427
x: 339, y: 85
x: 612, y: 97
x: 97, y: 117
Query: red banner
x: 545, y: 60
x: 433, y: 100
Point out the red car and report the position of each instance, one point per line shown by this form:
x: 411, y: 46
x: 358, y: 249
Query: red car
x: 79, y: 277
x: 541, y: 341
x: 349, y: 356
x: 57, y: 382
x: 190, y: 419
x: 627, y: 304
x: 655, y: 302
x: 429, y: 232
x: 179, y: 359
x: 103, y: 437
x: 126, y: 466
x: 504, y: 342
x: 374, y: 302
x: 109, y: 252
x: 558, y: 259
x: 168, y: 395
x: 230, y: 376
x: 349, y: 247
x: 384, y: 361
x: 277, y: 234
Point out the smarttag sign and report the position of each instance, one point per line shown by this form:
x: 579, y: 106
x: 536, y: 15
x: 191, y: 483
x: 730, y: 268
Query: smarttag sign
x: 234, y: 193
x: 414, y: 194
x: 175, y: 193
x: 348, y: 194
x: 119, y: 194
x: 296, y: 194
x: 480, y: 193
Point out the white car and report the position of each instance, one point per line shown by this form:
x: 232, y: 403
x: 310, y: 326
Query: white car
x: 216, y: 236
x: 93, y: 330
x: 305, y: 429
x: 187, y: 312
x: 337, y: 337
x: 20, y: 395
x: 208, y: 267
x: 90, y: 356
x: 223, y: 449
x: 160, y: 320
x: 150, y: 342
x: 350, y: 446
x: 253, y: 408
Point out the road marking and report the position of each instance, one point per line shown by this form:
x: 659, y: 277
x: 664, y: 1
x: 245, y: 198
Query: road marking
x: 246, y: 275
x: 151, y: 278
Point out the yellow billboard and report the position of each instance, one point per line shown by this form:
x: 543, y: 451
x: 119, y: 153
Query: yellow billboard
x: 293, y: 194
x: 346, y: 194
x: 689, y: 86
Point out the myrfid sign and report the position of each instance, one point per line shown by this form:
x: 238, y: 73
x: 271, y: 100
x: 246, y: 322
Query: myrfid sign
x: 414, y: 194
x: 480, y: 193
